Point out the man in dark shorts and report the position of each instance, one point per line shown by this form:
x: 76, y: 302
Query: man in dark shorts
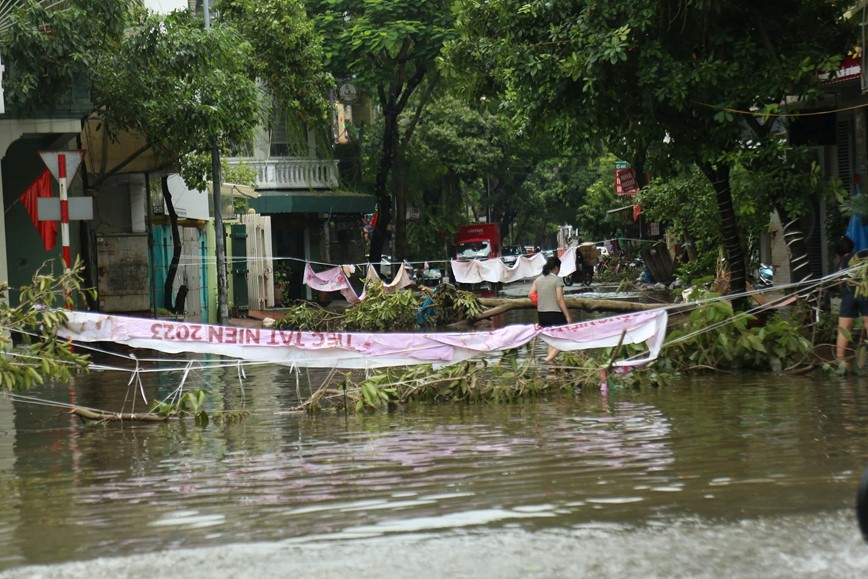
x: 851, y: 304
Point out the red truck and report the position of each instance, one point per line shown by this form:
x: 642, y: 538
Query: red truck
x: 478, y: 241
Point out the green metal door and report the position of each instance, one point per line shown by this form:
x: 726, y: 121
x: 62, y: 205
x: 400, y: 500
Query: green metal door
x: 240, y: 300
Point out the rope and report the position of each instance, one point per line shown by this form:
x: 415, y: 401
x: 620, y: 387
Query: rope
x: 777, y: 115
x: 138, y: 379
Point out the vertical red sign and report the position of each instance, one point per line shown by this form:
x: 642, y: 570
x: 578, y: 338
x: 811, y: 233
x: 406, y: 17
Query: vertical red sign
x: 625, y: 182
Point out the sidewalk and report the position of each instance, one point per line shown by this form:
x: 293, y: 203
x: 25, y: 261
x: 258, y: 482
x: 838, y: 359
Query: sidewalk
x: 254, y: 319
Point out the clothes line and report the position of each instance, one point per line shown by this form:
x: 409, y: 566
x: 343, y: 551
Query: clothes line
x: 337, y: 279
x: 424, y: 262
x: 495, y: 271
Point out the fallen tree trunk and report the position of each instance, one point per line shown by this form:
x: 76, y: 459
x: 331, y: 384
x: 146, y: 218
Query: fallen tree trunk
x: 499, y: 305
x: 88, y: 414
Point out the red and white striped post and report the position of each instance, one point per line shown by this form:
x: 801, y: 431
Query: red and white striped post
x: 64, y: 211
x: 63, y: 166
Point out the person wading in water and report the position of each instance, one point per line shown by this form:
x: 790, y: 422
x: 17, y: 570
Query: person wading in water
x: 551, y: 307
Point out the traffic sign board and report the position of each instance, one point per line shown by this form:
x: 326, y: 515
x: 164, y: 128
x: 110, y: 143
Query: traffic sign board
x: 80, y: 208
x: 72, y: 160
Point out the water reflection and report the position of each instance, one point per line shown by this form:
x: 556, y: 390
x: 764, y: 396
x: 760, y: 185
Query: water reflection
x: 717, y: 448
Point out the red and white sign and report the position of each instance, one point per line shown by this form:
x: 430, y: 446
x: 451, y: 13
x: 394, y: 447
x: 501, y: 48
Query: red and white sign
x: 63, y: 166
x: 849, y: 69
x: 72, y: 161
x: 625, y: 182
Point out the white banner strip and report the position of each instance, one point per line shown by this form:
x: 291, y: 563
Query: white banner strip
x: 358, y: 350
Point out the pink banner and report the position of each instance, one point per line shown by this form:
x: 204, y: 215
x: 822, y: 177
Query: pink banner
x: 359, y: 350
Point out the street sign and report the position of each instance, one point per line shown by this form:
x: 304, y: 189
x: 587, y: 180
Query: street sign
x: 63, y: 165
x: 621, y: 164
x: 625, y: 182
x: 80, y: 208
x: 73, y: 161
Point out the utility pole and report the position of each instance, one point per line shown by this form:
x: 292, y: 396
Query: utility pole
x: 220, y: 241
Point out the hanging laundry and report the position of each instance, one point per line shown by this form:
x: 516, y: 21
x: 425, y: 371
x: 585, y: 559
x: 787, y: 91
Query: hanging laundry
x: 401, y: 280
x: 332, y: 280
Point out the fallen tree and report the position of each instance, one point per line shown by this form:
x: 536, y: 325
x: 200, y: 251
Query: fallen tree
x: 104, y: 416
x: 448, y: 306
x: 496, y: 306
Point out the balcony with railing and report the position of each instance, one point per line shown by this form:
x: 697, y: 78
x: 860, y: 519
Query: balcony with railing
x: 291, y: 173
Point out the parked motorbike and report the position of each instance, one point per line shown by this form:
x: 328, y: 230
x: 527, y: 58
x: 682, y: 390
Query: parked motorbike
x: 764, y: 276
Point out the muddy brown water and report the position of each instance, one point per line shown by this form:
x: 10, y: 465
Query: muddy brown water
x: 714, y: 476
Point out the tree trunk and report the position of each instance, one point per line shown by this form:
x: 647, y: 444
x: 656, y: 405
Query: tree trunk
x: 719, y: 177
x: 382, y: 232
x: 797, y: 250
x: 168, y: 302
x: 100, y: 415
x: 399, y: 186
x: 690, y: 246
x: 399, y: 177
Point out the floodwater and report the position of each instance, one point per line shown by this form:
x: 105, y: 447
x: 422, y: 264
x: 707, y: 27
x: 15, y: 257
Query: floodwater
x: 714, y: 476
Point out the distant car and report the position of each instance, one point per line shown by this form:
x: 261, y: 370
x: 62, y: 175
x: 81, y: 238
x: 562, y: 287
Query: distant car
x: 511, y: 253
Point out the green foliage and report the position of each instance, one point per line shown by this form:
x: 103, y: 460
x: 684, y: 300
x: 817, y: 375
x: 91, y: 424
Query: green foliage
x: 310, y: 317
x: 600, y: 197
x: 191, y: 403
x: 197, y: 91
x: 48, y: 49
x: 699, y: 271
x: 239, y: 173
x: 282, y: 280
x: 180, y: 86
x: 512, y: 377
x: 390, y: 49
x: 663, y: 201
x: 375, y: 392
x: 454, y: 154
x: 383, y: 311
x: 375, y: 39
x: 450, y: 305
x: 287, y: 53
x: 858, y: 275
x: 714, y: 337
x: 655, y: 83
x: 506, y: 380
x: 39, y: 355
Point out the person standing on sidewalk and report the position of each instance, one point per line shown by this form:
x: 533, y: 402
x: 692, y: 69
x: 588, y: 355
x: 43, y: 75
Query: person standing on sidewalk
x: 551, y: 307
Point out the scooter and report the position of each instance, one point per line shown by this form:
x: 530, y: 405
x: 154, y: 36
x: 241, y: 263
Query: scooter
x: 765, y: 275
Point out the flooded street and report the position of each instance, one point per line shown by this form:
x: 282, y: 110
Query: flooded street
x: 716, y: 476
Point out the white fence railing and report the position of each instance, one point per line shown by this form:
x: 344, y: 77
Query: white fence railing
x: 292, y: 173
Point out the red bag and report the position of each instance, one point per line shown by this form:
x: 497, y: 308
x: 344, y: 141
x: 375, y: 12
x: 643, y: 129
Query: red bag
x: 534, y: 298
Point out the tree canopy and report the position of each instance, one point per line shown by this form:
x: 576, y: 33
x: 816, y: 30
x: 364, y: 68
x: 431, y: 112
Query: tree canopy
x: 389, y: 48
x: 168, y: 78
x: 657, y: 81
x: 197, y: 88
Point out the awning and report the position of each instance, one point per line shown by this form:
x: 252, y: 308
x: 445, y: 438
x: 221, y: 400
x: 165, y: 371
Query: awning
x: 122, y: 153
x: 233, y: 189
x: 855, y: 9
x: 270, y: 202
